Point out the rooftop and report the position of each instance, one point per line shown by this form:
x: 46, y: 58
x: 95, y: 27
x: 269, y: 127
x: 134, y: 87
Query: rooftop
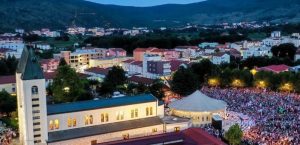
x: 191, y: 136
x: 98, y: 70
x: 29, y: 65
x: 103, y: 129
x: 274, y: 68
x: 97, y: 104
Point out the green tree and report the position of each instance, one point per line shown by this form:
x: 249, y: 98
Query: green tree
x: 8, y: 103
x: 67, y: 85
x: 284, y: 50
x: 203, y: 69
x: 116, y: 76
x: 184, y: 82
x: 156, y: 89
x: 62, y: 62
x: 234, y: 135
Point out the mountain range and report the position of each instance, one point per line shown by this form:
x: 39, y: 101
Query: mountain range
x: 58, y: 14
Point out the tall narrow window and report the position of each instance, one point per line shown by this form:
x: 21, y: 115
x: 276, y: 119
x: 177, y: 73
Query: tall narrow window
x: 34, y: 90
x: 147, y: 111
x: 74, y: 122
x: 69, y: 122
x: 136, y: 113
x: 102, y: 117
x: 106, y: 117
x: 91, y: 119
x: 86, y: 120
x: 51, y: 125
x: 132, y: 113
x: 151, y: 111
x: 56, y: 122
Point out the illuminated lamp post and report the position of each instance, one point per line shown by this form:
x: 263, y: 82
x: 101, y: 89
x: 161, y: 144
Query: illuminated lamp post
x: 213, y: 82
x: 237, y: 83
x: 261, y: 84
x: 253, y: 71
x: 286, y: 87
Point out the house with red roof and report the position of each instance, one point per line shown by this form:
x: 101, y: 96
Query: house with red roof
x: 49, y: 65
x: 274, y: 68
x: 166, y: 54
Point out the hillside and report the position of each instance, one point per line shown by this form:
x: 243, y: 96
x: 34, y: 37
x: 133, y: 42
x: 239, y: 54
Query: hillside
x: 35, y: 14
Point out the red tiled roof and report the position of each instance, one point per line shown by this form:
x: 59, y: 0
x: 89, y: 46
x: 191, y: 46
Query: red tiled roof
x: 274, y: 68
x: 117, y: 49
x: 98, y: 70
x: 175, y: 64
x: 141, y: 80
x: 49, y: 75
x: 191, y: 136
x: 7, y: 79
x: 128, y: 61
x: 137, y: 63
x: 46, y: 61
x: 202, y: 137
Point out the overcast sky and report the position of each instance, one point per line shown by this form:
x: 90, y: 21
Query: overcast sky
x: 143, y: 3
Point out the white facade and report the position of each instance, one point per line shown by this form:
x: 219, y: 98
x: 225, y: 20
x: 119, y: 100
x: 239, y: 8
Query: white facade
x: 216, y: 59
x: 32, y: 111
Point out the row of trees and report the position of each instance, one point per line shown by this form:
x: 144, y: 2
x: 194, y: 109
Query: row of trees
x: 186, y: 80
x: 116, y: 80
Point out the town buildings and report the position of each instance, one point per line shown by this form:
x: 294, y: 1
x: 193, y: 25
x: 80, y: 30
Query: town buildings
x: 84, y: 122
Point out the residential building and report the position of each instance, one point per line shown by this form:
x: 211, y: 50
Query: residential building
x: 96, y: 73
x: 107, y: 62
x: 166, y: 54
x: 219, y: 58
x: 84, y: 122
x: 208, y: 44
x: 81, y: 57
x: 116, y: 52
x: 49, y: 65
x: 186, y: 51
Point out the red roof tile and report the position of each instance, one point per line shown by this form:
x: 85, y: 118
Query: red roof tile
x: 7, y: 79
x: 141, y: 80
x: 175, y: 64
x: 274, y: 68
x: 202, y: 137
x: 97, y: 70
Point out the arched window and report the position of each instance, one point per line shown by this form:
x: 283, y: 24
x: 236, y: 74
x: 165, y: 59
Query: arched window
x: 74, y: 122
x: 151, y: 111
x: 56, y: 123
x: 91, y: 119
x: 147, y: 111
x: 86, y: 122
x: 69, y: 122
x: 51, y: 125
x: 34, y: 90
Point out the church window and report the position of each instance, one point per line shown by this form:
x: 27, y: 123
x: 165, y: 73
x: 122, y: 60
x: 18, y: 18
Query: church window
x: 51, y: 125
x: 147, y: 111
x: 91, y: 119
x: 69, y: 122
x: 34, y: 90
x: 151, y: 111
x: 136, y: 112
x: 56, y: 123
x: 74, y: 122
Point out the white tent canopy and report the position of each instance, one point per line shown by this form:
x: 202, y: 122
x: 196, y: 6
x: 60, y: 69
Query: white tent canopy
x: 198, y: 102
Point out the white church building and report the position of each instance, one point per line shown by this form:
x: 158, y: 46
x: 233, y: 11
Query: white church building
x: 84, y: 122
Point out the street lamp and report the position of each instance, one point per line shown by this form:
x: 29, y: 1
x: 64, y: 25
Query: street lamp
x: 253, y: 71
x: 213, y: 82
x: 67, y: 89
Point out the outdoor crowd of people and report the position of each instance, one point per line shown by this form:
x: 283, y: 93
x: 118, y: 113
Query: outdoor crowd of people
x: 276, y: 114
x: 6, y: 135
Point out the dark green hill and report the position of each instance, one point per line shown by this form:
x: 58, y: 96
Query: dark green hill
x: 35, y: 14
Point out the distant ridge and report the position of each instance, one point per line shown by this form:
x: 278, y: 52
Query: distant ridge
x: 58, y: 14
